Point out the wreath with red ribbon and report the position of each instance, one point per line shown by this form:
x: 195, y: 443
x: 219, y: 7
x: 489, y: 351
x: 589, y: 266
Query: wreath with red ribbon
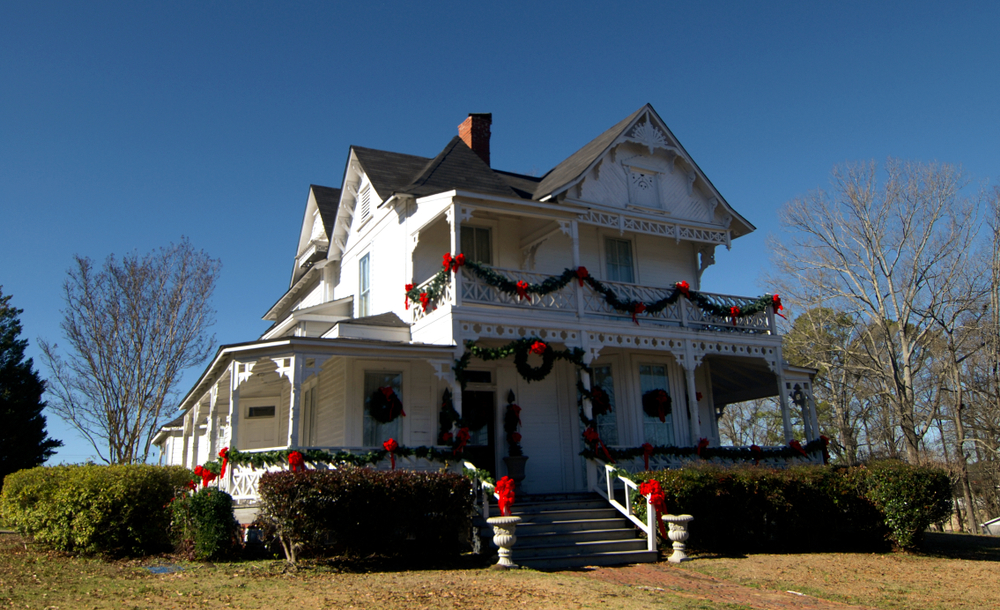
x: 600, y: 401
x: 657, y: 403
x: 384, y: 406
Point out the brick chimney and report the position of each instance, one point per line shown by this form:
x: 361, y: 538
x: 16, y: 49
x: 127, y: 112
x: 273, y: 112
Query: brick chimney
x: 475, y: 132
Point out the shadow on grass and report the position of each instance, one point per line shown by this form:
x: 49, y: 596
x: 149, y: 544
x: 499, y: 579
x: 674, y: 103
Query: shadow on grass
x: 961, y: 546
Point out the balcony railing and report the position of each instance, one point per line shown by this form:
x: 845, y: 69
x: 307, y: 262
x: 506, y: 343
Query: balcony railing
x: 573, y: 299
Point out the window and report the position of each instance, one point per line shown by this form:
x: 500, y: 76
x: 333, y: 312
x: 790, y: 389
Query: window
x: 259, y: 412
x: 364, y: 286
x: 376, y: 433
x: 618, y: 254
x: 654, y: 377
x: 365, y: 202
x: 476, y: 245
x: 607, y: 423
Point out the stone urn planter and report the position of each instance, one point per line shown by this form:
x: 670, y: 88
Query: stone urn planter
x: 515, y: 470
x: 504, y: 537
x: 678, y: 534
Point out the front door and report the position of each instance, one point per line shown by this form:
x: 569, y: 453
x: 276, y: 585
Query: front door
x: 478, y: 415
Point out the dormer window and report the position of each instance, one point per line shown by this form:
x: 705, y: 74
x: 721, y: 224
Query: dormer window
x: 365, y: 203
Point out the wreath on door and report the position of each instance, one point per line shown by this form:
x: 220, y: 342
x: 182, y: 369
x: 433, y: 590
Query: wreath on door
x: 657, y: 403
x: 384, y: 406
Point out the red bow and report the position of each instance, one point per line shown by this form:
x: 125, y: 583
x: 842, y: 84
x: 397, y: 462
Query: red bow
x: 776, y: 301
x: 591, y: 436
x: 685, y: 289
x: 702, y: 444
x: 600, y: 400
x: 697, y: 396
x: 538, y: 348
x: 447, y: 436
x: 647, y: 450
x: 191, y: 485
x: 517, y: 412
x: 462, y: 437
x: 652, y: 490
x: 734, y: 312
x: 205, y: 474
x: 515, y: 436
x: 457, y: 262
x: 447, y: 261
x: 424, y: 300
x: 406, y: 299
x: 391, y: 445
x: 582, y: 274
x: 224, y: 454
x: 794, y: 444
x: 522, y: 289
x: 637, y: 307
x: 757, y: 453
x: 505, y: 493
x: 296, y: 461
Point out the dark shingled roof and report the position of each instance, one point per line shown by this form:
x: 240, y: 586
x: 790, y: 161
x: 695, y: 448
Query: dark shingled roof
x: 382, y: 319
x: 457, y: 167
x: 327, y: 200
x: 576, y: 164
x: 389, y: 172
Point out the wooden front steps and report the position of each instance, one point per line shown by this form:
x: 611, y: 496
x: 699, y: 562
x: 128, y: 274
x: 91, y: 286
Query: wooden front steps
x: 560, y: 531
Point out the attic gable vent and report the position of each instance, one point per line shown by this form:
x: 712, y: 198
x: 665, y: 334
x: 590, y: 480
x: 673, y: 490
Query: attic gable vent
x: 365, y: 202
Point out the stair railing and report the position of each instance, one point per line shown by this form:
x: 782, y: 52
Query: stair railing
x: 483, y: 490
x: 607, y: 478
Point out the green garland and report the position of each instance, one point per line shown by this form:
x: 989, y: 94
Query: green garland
x: 519, y: 348
x: 261, y: 459
x: 433, y: 290
x: 731, y: 453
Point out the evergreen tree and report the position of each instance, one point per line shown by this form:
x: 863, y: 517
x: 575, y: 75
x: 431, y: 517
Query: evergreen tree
x: 24, y: 442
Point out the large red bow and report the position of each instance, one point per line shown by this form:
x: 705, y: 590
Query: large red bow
x: 652, y: 490
x: 391, y: 445
x: 582, y: 274
x: 224, y: 454
x: 296, y: 461
x: 462, y: 437
x: 685, y: 289
x: 538, y: 348
x: 447, y: 261
x: 776, y: 301
x: 424, y: 300
x: 794, y: 444
x: 662, y: 399
x: 505, y: 493
x: 522, y: 289
x: 757, y: 453
x: 734, y: 312
x: 702, y: 444
x: 206, y: 475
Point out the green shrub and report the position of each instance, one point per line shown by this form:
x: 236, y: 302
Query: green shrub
x: 117, y: 510
x: 362, y: 510
x: 804, y: 508
x: 203, y: 525
x: 910, y: 497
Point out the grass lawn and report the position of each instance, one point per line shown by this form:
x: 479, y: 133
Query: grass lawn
x: 952, y: 571
x: 34, y: 578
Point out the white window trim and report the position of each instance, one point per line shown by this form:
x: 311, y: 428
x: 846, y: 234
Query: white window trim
x: 355, y: 418
x: 357, y: 301
x: 602, y: 238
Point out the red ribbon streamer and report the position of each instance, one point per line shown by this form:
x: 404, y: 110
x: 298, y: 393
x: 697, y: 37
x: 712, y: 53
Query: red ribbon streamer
x: 224, y: 454
x: 662, y: 398
x: 702, y: 444
x: 734, y: 312
x: 522, y: 289
x: 591, y: 436
x: 391, y: 445
x: 794, y: 444
x: 637, y: 307
x: 462, y: 437
x: 424, y: 300
x: 406, y: 299
x: 776, y: 301
x: 457, y: 262
x: 652, y: 490
x: 647, y: 450
x: 582, y: 274
x: 757, y: 453
x: 206, y: 475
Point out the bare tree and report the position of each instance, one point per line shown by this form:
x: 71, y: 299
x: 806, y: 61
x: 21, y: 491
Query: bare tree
x: 132, y: 327
x: 885, y: 252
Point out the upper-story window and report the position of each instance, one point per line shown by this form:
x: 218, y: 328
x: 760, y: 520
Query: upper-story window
x: 364, y: 286
x: 618, y: 254
x: 476, y: 244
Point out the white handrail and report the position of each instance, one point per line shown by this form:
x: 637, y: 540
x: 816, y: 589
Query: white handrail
x: 611, y: 475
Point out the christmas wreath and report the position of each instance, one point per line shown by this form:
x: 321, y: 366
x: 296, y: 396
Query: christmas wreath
x: 657, y: 403
x: 534, y: 373
x: 384, y: 406
x: 600, y: 401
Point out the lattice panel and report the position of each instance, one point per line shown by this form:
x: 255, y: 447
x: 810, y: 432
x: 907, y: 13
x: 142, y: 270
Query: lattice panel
x: 653, y: 227
x: 475, y: 290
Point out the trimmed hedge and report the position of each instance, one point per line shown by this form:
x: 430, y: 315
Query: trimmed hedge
x: 203, y: 525
x: 805, y: 508
x: 360, y: 510
x: 116, y: 510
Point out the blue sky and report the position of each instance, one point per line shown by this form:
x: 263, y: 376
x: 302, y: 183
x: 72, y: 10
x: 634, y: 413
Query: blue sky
x: 125, y: 125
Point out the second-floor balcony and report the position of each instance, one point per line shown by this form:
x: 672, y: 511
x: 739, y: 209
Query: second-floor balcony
x: 586, y: 302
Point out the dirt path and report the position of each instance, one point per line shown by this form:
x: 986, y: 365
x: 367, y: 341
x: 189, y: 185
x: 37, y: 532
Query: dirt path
x: 667, y: 578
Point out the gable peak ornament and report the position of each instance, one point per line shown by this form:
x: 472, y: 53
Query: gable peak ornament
x: 649, y: 136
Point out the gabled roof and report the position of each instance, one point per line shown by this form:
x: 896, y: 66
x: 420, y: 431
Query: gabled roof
x: 327, y: 200
x: 579, y: 162
x: 457, y: 167
x: 389, y: 172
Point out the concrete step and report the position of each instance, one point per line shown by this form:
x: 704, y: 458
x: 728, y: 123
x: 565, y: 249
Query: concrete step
x: 525, y: 540
x: 559, y: 513
x: 562, y: 562
x: 569, y: 525
x: 591, y: 547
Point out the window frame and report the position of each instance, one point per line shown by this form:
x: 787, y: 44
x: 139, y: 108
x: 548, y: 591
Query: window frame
x: 491, y: 228
x: 605, y: 241
x: 364, y: 284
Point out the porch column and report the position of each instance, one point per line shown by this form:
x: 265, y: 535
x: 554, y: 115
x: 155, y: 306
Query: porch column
x: 786, y: 419
x: 574, y: 228
x: 294, y: 400
x: 186, y: 452
x: 234, y: 404
x: 692, y: 396
x: 588, y: 359
x: 455, y: 217
x: 456, y: 386
x: 211, y: 429
x: 195, y: 440
x: 812, y: 411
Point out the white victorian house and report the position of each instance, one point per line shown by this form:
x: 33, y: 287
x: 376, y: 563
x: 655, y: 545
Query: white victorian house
x: 631, y: 207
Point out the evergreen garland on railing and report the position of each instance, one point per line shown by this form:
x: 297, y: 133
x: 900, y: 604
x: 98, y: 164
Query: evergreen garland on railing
x: 429, y: 293
x: 746, y: 454
x: 279, y: 457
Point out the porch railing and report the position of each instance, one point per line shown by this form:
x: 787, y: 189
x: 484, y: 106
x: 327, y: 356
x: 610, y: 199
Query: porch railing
x: 607, y: 485
x: 567, y: 300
